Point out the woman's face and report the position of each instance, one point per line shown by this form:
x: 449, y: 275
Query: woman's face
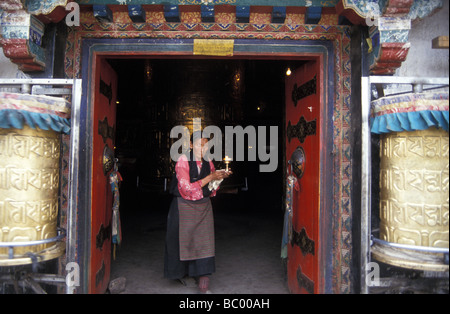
x: 200, y: 148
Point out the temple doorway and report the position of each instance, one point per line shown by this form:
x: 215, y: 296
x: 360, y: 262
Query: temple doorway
x: 153, y: 96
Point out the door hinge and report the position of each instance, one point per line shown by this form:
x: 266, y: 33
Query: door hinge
x: 301, y: 239
x: 301, y: 130
x: 304, y: 281
x: 102, y: 235
x: 304, y: 90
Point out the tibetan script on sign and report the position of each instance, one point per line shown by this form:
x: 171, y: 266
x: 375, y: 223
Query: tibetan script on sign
x: 214, y: 47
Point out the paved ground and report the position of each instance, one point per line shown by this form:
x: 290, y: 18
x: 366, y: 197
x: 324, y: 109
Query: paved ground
x: 247, y: 252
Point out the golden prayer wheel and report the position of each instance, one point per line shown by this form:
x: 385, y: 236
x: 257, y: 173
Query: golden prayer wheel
x: 414, y: 192
x: 29, y: 177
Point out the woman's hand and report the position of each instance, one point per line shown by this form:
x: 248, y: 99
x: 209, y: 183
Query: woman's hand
x: 220, y: 174
x: 216, y: 175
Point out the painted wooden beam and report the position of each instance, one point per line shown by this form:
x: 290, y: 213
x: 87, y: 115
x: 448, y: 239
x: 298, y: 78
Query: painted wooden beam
x: 102, y: 13
x: 207, y: 13
x: 172, y: 13
x: 440, y: 42
x: 225, y: 14
x: 278, y: 15
x: 242, y: 14
x: 313, y: 15
x: 293, y: 3
x: 136, y: 13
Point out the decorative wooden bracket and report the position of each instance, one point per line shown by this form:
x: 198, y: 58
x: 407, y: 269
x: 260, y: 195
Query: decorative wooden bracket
x: 23, y: 28
x: 389, y: 22
x: 21, y: 40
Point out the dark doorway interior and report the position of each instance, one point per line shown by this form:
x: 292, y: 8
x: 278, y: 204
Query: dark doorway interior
x: 157, y: 94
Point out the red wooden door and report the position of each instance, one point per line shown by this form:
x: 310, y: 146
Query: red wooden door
x: 303, y: 109
x: 104, y: 93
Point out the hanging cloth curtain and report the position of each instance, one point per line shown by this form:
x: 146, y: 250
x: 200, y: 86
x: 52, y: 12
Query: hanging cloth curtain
x: 114, y: 179
x: 291, y: 184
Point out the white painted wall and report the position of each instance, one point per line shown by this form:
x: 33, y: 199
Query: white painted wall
x: 422, y: 60
x: 7, y: 68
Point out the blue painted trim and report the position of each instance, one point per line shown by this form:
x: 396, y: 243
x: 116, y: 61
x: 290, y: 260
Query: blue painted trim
x: 102, y: 13
x: 313, y: 15
x: 278, y: 15
x: 410, y: 121
x: 242, y: 14
x: 172, y: 13
x: 207, y: 12
x: 136, y: 13
x: 10, y: 118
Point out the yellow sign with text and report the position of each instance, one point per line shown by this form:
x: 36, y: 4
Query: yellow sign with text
x: 214, y: 47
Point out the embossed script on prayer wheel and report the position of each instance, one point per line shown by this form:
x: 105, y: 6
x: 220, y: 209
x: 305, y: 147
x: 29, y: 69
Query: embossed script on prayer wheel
x: 414, y: 180
x: 30, y: 176
x: 29, y: 183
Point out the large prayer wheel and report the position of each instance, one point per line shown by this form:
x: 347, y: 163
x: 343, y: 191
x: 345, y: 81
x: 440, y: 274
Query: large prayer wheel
x: 414, y: 180
x: 30, y: 128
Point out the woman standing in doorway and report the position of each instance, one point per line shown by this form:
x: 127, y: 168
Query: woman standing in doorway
x: 190, y: 249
